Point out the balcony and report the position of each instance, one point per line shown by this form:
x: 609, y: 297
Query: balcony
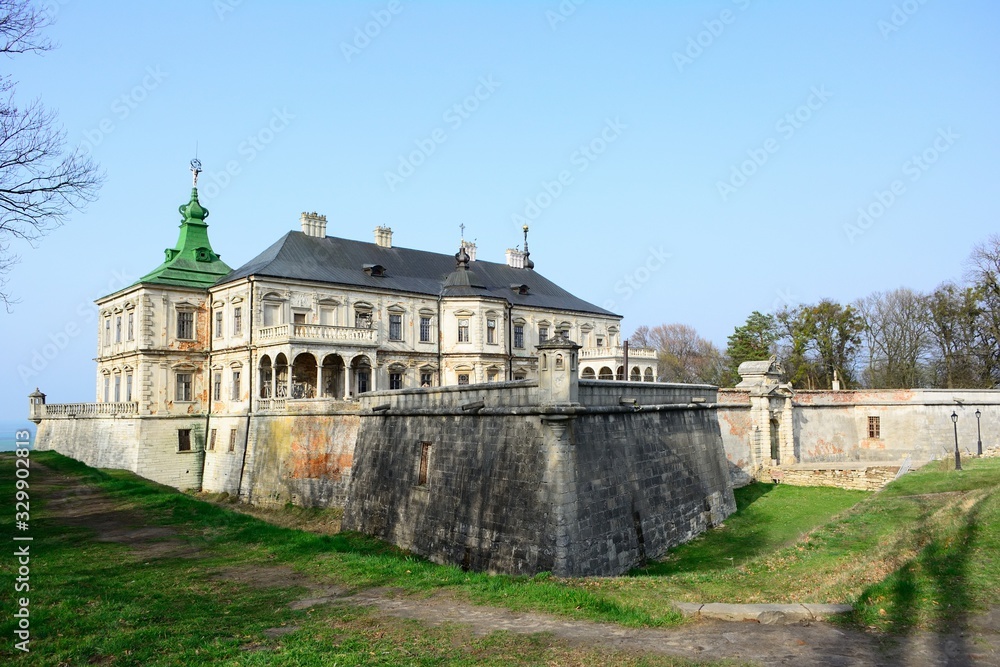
x: 317, y: 333
x: 634, y: 353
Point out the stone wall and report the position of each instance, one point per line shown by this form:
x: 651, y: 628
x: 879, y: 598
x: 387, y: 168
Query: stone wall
x: 147, y: 446
x: 832, y: 427
x: 861, y: 477
x: 483, y: 504
x: 575, y: 490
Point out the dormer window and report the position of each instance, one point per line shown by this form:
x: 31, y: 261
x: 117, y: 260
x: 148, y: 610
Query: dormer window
x: 375, y: 270
x: 520, y: 289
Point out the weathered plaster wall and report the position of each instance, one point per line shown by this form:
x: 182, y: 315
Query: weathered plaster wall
x: 302, y: 459
x: 736, y: 429
x: 145, y: 446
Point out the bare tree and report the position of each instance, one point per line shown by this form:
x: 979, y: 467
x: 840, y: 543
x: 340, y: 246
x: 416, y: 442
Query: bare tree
x: 683, y: 355
x: 40, y: 181
x: 898, y: 338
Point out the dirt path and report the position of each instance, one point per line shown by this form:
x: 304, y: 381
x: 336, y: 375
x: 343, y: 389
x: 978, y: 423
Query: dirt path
x: 75, y: 503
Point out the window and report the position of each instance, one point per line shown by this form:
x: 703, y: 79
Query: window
x: 600, y: 341
x: 218, y: 324
x: 874, y: 428
x: 425, y: 459
x: 131, y: 326
x: 216, y: 386
x: 107, y: 331
x: 128, y: 387
x: 363, y: 319
x: 232, y: 439
x: 362, y: 383
x: 395, y: 380
x: 236, y: 386
x: 298, y: 318
x: 492, y: 375
x: 183, y: 391
x: 543, y: 334
x: 519, y: 335
x: 425, y: 329
x: 463, y: 331
x: 328, y: 316
x: 395, y: 327
x: 118, y: 388
x: 211, y: 440
x: 118, y: 329
x: 426, y: 379
x: 491, y: 331
x: 107, y: 389
x: 184, y: 440
x: 237, y: 320
x: 463, y: 378
x: 185, y: 324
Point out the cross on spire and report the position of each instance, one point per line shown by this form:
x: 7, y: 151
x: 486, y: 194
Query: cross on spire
x: 462, y: 227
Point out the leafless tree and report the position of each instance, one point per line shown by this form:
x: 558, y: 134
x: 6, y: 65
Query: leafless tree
x: 898, y: 337
x: 40, y: 181
x: 683, y: 355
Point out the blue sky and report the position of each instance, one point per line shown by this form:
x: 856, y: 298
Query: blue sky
x: 678, y: 162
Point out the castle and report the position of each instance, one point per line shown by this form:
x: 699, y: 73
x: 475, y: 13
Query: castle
x: 442, y: 401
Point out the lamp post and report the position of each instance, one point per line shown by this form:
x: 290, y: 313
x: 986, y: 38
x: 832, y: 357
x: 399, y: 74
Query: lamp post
x: 958, y: 458
x: 979, y: 435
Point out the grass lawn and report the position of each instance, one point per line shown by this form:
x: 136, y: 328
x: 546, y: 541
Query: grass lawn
x: 920, y: 554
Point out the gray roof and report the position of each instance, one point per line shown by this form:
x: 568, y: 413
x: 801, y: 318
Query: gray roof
x: 342, y: 261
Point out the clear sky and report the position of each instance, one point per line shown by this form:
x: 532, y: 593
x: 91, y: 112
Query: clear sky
x: 677, y: 161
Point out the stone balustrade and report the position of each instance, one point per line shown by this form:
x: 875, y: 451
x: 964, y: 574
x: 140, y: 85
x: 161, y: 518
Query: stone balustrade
x: 88, y: 409
x: 318, y: 333
x: 634, y: 353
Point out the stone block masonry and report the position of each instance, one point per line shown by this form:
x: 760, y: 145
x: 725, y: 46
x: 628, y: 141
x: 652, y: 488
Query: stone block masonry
x: 462, y: 476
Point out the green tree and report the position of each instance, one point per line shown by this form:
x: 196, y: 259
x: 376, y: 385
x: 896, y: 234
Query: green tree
x: 820, y: 339
x: 754, y: 341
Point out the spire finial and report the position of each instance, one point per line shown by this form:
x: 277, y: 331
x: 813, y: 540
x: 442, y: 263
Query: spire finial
x: 462, y: 227
x: 195, y: 170
x: 528, y: 264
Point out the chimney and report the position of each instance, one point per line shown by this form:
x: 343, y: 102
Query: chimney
x: 383, y: 237
x: 470, y: 249
x: 515, y: 258
x: 313, y: 224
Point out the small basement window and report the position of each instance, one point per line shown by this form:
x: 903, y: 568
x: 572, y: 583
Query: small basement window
x: 184, y: 440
